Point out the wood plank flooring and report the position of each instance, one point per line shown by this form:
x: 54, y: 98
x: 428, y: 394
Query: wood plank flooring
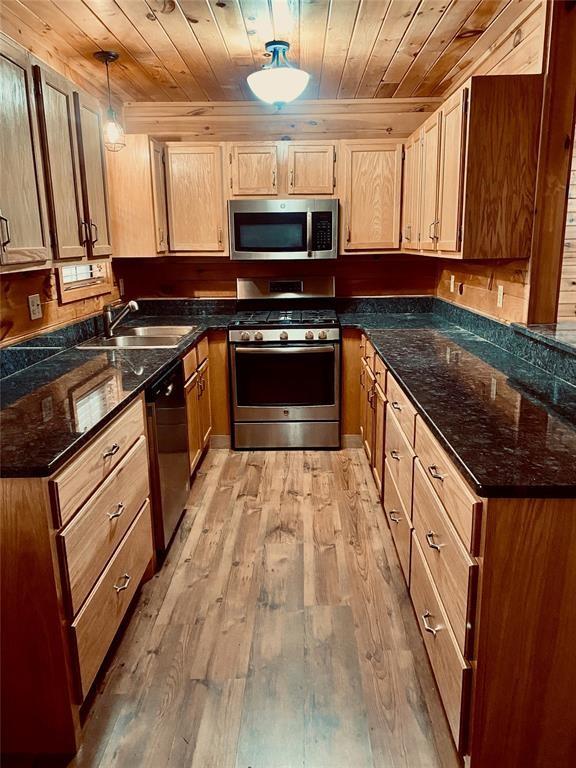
x: 278, y: 634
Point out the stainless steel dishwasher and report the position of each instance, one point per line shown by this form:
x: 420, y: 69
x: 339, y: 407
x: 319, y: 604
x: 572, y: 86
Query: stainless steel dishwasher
x: 168, y: 449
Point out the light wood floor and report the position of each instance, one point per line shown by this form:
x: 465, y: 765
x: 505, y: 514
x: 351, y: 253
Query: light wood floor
x: 278, y: 634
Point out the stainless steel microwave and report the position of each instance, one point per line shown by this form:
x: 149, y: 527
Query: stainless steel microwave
x: 283, y: 229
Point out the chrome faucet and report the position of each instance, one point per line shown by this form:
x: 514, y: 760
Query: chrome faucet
x: 109, y: 323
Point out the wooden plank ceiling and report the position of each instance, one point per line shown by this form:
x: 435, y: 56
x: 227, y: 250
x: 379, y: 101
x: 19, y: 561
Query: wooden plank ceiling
x: 202, y: 50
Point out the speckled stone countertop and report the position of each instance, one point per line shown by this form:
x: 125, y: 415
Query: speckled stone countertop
x: 509, y: 426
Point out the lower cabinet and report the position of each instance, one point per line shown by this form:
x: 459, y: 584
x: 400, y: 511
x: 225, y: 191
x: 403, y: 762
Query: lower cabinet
x: 197, y: 388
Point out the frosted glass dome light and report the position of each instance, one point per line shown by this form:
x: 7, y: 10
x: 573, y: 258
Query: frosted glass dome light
x: 278, y: 82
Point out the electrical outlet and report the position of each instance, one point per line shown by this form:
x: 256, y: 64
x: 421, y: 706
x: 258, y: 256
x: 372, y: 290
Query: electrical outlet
x: 452, y: 283
x: 34, y: 306
x: 500, y: 299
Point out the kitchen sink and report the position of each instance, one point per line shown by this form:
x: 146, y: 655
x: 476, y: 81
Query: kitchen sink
x: 133, y: 342
x: 157, y: 330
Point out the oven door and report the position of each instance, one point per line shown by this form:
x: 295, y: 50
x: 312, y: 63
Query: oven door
x: 286, y: 383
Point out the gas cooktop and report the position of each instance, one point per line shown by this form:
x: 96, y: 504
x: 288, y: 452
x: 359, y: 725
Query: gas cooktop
x: 280, y: 318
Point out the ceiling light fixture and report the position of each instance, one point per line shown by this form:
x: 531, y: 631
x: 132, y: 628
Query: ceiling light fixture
x: 278, y: 82
x: 114, y: 139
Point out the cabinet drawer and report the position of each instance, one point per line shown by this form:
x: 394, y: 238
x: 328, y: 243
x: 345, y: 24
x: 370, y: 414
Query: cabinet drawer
x: 463, y: 506
x: 380, y: 371
x: 202, y: 350
x: 400, y: 459
x: 190, y: 362
x: 398, y: 521
x: 74, y: 484
x: 402, y: 407
x: 98, y: 621
x: 450, y: 670
x: 453, y: 570
x: 91, y: 537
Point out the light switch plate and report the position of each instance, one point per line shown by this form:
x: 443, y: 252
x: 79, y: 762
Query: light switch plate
x: 34, y: 306
x: 500, y: 299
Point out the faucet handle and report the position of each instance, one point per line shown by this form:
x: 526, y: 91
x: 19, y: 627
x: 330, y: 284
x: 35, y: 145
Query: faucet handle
x: 133, y: 306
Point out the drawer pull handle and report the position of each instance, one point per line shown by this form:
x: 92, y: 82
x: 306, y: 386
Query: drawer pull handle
x: 121, y: 587
x: 435, y: 474
x: 111, y: 451
x: 395, y: 455
x: 117, y: 512
x: 427, y: 626
x: 396, y: 405
x: 393, y: 515
x: 431, y: 543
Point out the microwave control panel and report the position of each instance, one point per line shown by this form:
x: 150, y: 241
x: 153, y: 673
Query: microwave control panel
x: 321, y: 230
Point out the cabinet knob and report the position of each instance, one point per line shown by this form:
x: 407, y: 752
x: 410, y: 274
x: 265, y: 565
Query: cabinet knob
x: 117, y: 512
x: 393, y: 515
x: 430, y: 541
x: 427, y: 626
x: 114, y: 448
x: 396, y: 405
x: 126, y: 578
x: 433, y: 470
x: 4, y: 242
x: 395, y: 455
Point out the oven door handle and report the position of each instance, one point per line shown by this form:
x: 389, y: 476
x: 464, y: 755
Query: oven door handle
x: 311, y: 349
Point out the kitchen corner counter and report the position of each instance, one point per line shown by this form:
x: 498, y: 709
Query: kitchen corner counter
x: 509, y: 426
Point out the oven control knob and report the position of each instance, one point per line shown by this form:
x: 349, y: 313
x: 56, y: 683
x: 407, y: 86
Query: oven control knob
x: 322, y: 335
x: 283, y: 335
x: 245, y: 336
x: 258, y: 335
x: 309, y: 335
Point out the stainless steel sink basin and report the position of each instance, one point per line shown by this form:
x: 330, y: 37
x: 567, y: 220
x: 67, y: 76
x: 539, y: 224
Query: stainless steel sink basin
x: 132, y: 342
x: 157, y: 330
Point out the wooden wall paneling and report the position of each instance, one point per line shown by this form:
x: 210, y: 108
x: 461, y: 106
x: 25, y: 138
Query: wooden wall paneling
x: 368, y: 22
x: 195, y: 197
x: 313, y: 28
x: 61, y: 162
x: 253, y: 121
x: 371, y: 212
x: 93, y: 164
x: 40, y: 672
x: 219, y: 382
x: 24, y: 233
x: 555, y: 156
x: 15, y: 323
x: 132, y: 220
x: 528, y: 570
x: 336, y: 46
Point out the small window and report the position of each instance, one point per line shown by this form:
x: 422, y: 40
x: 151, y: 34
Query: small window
x: 80, y: 281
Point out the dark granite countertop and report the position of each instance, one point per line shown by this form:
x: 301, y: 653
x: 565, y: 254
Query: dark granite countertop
x: 509, y: 425
x: 559, y: 335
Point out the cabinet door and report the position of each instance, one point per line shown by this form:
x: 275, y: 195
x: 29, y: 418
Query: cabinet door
x: 204, y: 403
x: 93, y: 166
x: 373, y: 174
x: 254, y: 169
x: 195, y: 197
x: 311, y: 169
x: 379, y: 411
x: 24, y: 237
x: 452, y: 147
x: 193, y: 416
x: 159, y: 195
x: 367, y: 381
x: 430, y: 145
x: 58, y: 132
x: 411, y: 193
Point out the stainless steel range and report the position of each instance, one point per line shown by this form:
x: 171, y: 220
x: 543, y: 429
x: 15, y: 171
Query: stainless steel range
x: 285, y: 369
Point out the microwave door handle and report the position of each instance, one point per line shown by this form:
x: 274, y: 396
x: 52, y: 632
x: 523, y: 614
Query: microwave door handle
x: 286, y: 350
x: 309, y: 231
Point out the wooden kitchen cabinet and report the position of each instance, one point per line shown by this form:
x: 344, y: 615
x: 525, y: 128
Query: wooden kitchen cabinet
x: 93, y: 176
x: 253, y: 169
x: 159, y: 198
x: 195, y: 197
x: 411, y: 193
x: 367, y: 382
x: 204, y: 404
x: 379, y: 410
x: 428, y: 204
x: 311, y: 169
x: 371, y: 199
x: 192, y: 389
x: 450, y: 172
x: 24, y: 234
x: 55, y: 95
x: 198, y: 413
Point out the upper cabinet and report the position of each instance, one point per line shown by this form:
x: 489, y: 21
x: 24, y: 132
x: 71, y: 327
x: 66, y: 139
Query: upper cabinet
x: 477, y: 165
x: 411, y: 193
x: 195, y: 197
x: 24, y: 236
x: 253, y: 169
x: 311, y: 169
x: 70, y: 233
x: 159, y: 195
x: 371, y: 199
x: 94, y: 174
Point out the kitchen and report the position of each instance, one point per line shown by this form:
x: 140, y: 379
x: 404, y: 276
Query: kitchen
x: 288, y: 420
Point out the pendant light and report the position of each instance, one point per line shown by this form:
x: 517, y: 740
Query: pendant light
x: 278, y: 82
x: 114, y: 139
